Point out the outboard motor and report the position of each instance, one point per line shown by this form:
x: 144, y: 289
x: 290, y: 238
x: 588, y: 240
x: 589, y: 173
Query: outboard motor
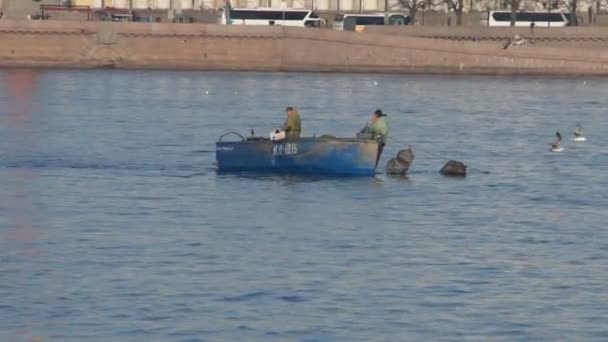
x: 401, y: 164
x: 454, y: 168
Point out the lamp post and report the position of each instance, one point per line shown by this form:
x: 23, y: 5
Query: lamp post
x: 283, y: 7
x: 549, y: 21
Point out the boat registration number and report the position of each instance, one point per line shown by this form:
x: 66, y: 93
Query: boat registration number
x: 284, y: 149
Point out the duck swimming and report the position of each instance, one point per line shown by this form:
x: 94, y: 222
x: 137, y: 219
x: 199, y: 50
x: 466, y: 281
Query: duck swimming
x: 578, y: 134
x: 556, y: 146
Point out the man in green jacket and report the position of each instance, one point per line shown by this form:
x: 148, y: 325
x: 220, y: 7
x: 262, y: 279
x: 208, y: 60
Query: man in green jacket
x: 379, y: 131
x: 379, y: 127
x: 292, y: 125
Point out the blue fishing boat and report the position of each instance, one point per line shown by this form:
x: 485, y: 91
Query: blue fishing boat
x: 325, y: 155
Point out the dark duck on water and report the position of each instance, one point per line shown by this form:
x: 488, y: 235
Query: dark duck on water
x: 556, y: 146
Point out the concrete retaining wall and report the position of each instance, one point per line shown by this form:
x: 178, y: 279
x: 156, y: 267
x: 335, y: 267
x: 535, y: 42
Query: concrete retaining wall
x: 572, y: 37
x: 437, y: 31
x: 215, y: 47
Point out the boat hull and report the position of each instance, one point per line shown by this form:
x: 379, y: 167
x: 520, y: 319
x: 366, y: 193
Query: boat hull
x: 335, y: 156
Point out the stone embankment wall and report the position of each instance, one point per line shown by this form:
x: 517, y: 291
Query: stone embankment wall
x: 588, y: 37
x: 215, y: 47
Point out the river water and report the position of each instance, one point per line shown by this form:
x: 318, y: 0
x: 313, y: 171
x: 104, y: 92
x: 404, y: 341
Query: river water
x: 114, y: 225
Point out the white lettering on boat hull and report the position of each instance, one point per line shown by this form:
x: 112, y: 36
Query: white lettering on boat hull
x: 287, y: 149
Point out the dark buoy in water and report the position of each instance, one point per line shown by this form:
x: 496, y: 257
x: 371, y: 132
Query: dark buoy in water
x: 396, y: 167
x: 454, y: 168
x: 401, y: 164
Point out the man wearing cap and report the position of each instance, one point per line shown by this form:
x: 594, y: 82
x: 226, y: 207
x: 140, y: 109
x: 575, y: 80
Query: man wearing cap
x: 379, y: 131
x: 379, y: 127
x: 292, y: 125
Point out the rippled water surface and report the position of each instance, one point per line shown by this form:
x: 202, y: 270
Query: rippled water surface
x: 114, y: 225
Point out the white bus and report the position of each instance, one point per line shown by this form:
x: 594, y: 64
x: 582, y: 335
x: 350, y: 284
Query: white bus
x: 271, y: 16
x: 555, y: 18
x: 358, y: 21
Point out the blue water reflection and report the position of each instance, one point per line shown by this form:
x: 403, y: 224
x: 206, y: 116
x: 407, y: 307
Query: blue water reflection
x: 115, y: 225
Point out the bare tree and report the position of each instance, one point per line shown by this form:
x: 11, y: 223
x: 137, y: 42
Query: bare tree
x: 413, y: 6
x: 573, y: 7
x: 573, y: 12
x: 514, y: 9
x: 457, y: 6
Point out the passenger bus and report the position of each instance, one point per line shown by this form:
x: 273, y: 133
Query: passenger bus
x: 271, y: 16
x: 358, y: 21
x: 555, y: 18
